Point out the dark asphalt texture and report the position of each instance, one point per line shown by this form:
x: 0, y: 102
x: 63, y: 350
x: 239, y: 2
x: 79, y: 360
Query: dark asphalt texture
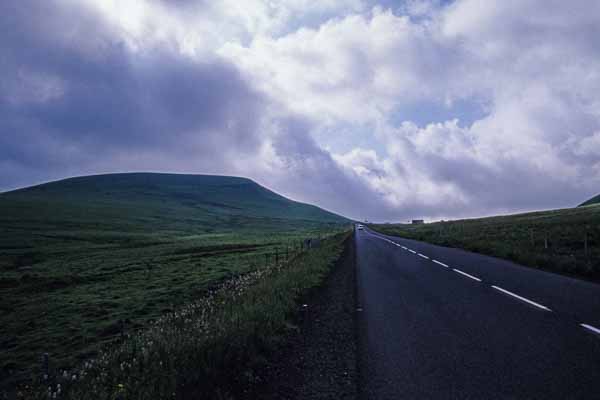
x: 428, y: 332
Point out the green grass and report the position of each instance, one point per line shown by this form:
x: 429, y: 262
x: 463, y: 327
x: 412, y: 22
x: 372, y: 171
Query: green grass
x: 208, y: 349
x: 84, y: 259
x: 593, y: 200
x: 550, y: 240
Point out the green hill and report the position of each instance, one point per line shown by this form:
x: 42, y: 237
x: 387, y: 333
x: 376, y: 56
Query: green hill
x: 593, y: 200
x: 80, y: 256
x: 144, y: 200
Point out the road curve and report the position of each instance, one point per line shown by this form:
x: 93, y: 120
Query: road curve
x: 440, y: 323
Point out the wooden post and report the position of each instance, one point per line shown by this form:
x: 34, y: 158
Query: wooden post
x: 545, y: 240
x: 122, y: 327
x: 45, y: 366
x: 532, y: 238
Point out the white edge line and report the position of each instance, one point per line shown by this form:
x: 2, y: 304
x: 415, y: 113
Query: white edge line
x: 412, y: 251
x: 533, y: 303
x: 424, y: 256
x: 591, y: 328
x: 467, y: 275
x: 440, y: 263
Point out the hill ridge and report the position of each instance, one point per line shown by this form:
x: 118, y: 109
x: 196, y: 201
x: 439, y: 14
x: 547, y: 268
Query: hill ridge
x: 592, y: 200
x: 222, y: 195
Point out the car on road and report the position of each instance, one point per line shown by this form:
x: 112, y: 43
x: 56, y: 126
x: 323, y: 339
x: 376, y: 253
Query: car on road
x: 360, y: 227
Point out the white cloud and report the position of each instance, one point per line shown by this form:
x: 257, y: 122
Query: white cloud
x: 532, y: 67
x: 361, y: 62
x: 530, y: 70
x: 199, y: 27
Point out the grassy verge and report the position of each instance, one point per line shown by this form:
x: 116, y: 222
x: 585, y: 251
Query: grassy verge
x: 207, y: 349
x: 69, y: 294
x: 563, y: 241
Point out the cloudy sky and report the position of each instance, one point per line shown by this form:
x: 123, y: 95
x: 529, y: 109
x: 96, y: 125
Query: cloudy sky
x: 383, y: 110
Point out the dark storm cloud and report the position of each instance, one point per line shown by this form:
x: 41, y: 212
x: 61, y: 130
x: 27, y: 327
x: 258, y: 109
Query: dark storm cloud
x: 311, y: 174
x: 75, y: 96
x: 73, y: 91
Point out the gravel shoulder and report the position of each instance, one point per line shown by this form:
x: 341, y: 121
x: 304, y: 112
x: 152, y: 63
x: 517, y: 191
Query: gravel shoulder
x: 319, y: 358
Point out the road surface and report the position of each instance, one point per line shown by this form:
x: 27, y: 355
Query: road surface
x: 440, y: 323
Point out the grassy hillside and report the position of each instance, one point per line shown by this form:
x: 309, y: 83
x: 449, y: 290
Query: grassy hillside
x: 87, y: 259
x: 593, y: 200
x: 565, y: 241
x: 212, y: 348
x: 156, y: 200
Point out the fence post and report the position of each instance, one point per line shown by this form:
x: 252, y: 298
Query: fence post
x: 545, y: 240
x: 122, y: 328
x: 532, y: 238
x: 45, y: 366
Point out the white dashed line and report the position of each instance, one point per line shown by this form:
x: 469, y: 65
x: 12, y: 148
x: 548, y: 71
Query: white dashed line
x: 533, y: 303
x: 467, y: 275
x: 591, y: 328
x: 440, y: 263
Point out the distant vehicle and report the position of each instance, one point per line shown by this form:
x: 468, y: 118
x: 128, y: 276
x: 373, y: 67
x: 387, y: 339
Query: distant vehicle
x: 360, y: 227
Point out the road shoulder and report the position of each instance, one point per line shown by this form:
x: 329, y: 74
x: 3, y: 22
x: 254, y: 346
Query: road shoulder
x: 319, y: 360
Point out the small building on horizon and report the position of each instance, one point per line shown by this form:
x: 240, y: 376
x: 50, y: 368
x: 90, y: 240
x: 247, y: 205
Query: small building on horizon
x: 417, y: 221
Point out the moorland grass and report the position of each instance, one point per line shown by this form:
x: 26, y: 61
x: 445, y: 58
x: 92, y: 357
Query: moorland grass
x: 87, y: 260
x: 565, y: 241
x: 207, y: 349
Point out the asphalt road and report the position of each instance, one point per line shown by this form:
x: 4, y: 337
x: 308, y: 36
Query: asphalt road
x: 440, y: 323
